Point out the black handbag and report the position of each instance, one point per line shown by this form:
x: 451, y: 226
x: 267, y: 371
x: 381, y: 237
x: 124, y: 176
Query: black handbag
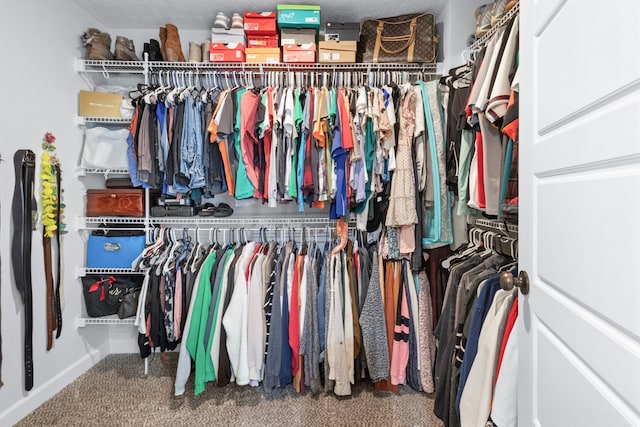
x: 103, y: 294
x: 128, y: 304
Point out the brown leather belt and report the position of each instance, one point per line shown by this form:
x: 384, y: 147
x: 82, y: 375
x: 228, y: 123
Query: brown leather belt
x: 54, y: 314
x: 23, y: 208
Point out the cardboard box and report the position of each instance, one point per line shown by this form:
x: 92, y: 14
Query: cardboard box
x: 230, y: 36
x: 342, y: 31
x: 260, y: 23
x: 268, y: 55
x: 263, y: 41
x: 337, y: 52
x: 233, y: 52
x: 99, y: 104
x: 299, y: 53
x: 297, y: 36
x: 336, y: 56
x: 299, y: 16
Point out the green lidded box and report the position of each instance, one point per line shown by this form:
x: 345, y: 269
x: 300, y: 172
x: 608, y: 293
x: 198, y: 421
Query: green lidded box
x: 299, y: 16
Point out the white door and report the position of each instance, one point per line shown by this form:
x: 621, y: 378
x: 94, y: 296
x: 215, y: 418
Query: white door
x: 580, y: 213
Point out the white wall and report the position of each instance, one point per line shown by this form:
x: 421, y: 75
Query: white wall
x: 459, y: 23
x: 40, y: 91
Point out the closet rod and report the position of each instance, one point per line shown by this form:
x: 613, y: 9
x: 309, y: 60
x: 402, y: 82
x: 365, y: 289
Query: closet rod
x: 279, y: 233
x: 482, y: 41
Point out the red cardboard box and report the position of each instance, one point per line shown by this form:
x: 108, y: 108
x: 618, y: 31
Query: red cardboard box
x: 299, y: 53
x: 260, y: 24
x: 263, y: 41
x: 232, y: 52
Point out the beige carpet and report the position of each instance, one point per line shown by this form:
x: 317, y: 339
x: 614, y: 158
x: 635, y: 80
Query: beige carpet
x: 116, y: 392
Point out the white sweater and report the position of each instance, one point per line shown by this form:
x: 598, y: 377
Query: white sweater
x: 475, y: 403
x: 235, y: 319
x: 256, y: 334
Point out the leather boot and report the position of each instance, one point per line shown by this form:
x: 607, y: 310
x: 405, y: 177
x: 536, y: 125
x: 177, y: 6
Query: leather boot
x: 163, y: 43
x: 152, y: 49
x: 173, y: 47
x: 206, y: 51
x: 124, y: 50
x: 98, y: 45
x: 195, y: 51
x: 87, y: 38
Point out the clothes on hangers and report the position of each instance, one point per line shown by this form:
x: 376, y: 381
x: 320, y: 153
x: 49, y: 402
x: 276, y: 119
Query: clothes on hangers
x: 482, y: 126
x: 472, y: 322
x: 268, y: 313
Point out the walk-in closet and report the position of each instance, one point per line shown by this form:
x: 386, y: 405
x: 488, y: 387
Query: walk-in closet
x: 320, y: 213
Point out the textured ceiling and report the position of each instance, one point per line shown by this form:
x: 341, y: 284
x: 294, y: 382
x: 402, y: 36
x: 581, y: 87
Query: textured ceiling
x: 199, y: 14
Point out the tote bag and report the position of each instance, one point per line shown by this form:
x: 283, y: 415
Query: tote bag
x: 105, y: 148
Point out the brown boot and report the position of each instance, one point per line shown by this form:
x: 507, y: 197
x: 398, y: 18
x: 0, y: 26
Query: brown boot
x: 163, y: 43
x: 173, y: 48
x: 124, y: 50
x: 98, y: 45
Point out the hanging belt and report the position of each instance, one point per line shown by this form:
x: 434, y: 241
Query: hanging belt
x: 54, y: 312
x: 23, y: 209
x: 48, y: 276
x: 56, y: 302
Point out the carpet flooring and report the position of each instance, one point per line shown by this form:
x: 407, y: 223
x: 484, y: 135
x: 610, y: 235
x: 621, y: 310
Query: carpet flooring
x: 115, y: 392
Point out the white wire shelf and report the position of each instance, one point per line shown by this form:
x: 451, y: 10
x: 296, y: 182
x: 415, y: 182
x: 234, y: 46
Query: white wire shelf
x: 94, y: 222
x: 141, y: 67
x: 83, y: 271
x: 497, y: 225
x: 81, y: 322
x: 83, y: 121
x: 82, y: 171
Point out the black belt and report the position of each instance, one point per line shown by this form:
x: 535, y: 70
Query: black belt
x: 23, y: 209
x: 56, y: 302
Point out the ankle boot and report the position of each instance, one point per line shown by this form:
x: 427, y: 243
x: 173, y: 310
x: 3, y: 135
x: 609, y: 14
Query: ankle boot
x: 124, y: 50
x: 98, y: 45
x: 87, y: 38
x: 195, y: 51
x: 163, y: 43
x: 206, y: 51
x: 173, y: 48
x: 154, y: 50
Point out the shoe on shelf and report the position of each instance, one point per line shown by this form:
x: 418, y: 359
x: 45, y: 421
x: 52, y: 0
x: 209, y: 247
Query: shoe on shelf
x: 124, y: 50
x: 98, y: 45
x: 206, y: 49
x: 173, y: 46
x: 498, y: 11
x: 163, y: 43
x: 195, y: 52
x: 483, y: 19
x: 152, y: 49
x: 221, y: 21
x: 237, y: 21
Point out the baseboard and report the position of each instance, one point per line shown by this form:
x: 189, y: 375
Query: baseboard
x: 41, y: 394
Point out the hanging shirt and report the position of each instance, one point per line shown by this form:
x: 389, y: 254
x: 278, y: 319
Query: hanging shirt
x: 339, y: 205
x: 244, y: 186
x: 248, y: 141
